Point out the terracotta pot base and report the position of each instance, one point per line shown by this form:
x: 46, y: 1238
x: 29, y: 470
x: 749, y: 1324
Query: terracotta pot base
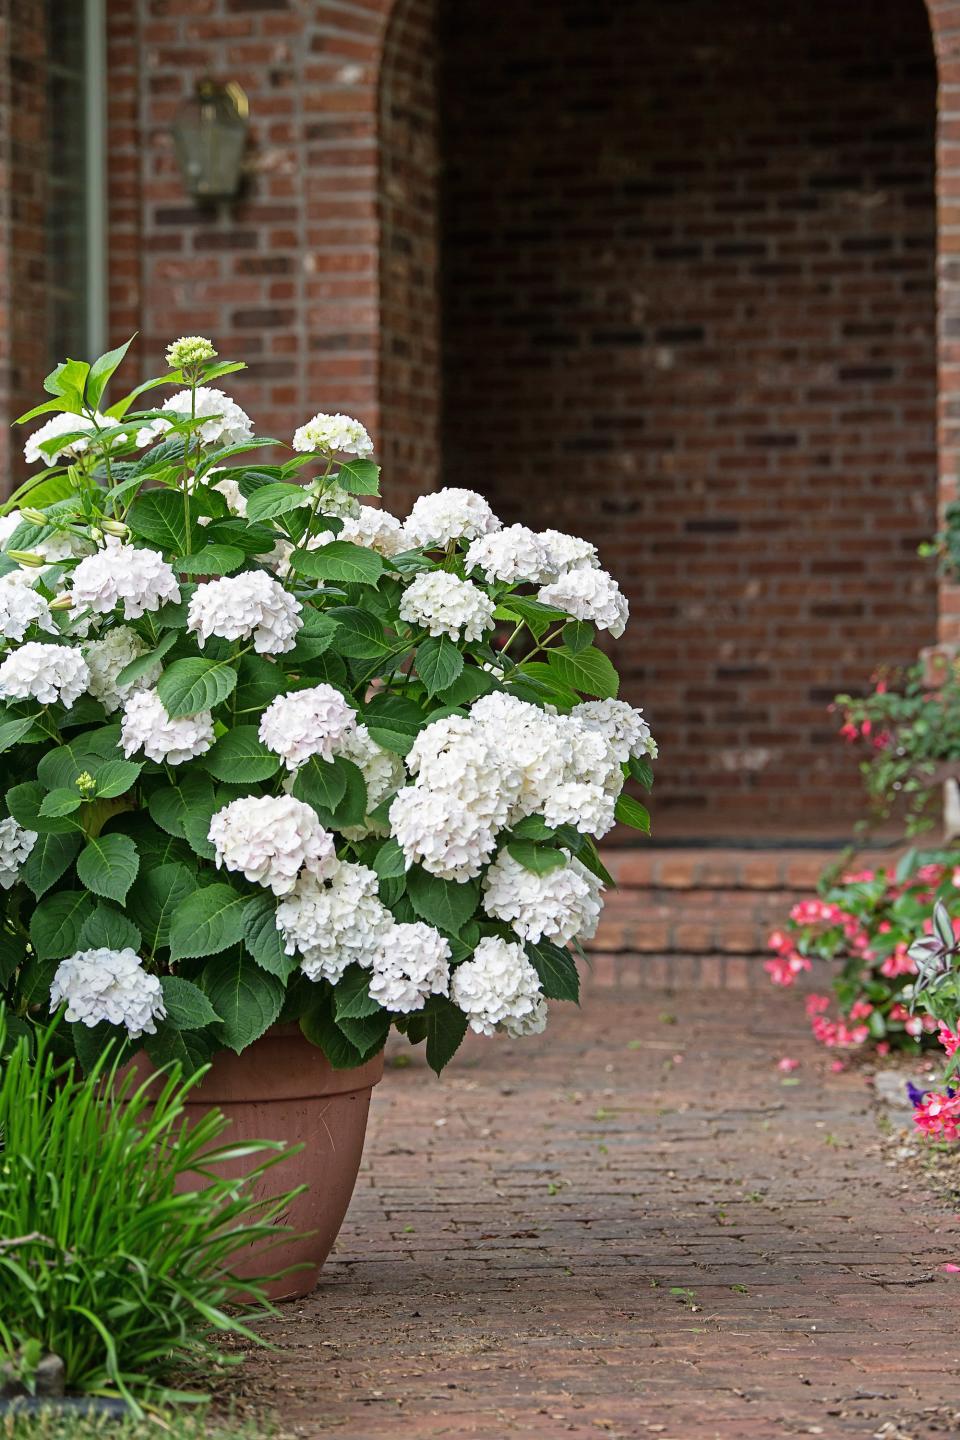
x: 284, y: 1088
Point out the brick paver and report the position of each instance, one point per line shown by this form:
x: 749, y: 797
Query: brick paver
x: 627, y: 1227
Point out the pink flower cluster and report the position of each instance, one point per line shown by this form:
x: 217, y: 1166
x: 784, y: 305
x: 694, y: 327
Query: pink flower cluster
x: 836, y: 1034
x: 938, y: 1116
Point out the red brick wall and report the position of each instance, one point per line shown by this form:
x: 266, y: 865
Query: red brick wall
x: 410, y: 375
x: 27, y: 259
x: 689, y: 309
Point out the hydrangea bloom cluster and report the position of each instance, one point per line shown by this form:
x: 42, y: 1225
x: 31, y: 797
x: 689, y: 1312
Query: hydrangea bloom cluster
x: 334, y: 923
x: 499, y: 989
x: 147, y: 726
x: 307, y: 722
x: 448, y: 515
x: 16, y: 846
x: 333, y: 435
x: 224, y: 423
x: 270, y: 839
x: 107, y: 656
x: 21, y: 606
x: 110, y: 985
x: 244, y: 606
x: 52, y: 674
x: 137, y: 577
x: 444, y: 605
x: 412, y: 964
x: 273, y: 753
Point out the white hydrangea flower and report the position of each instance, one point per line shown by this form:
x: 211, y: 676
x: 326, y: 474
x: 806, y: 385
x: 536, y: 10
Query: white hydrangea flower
x: 305, y: 723
x: 62, y: 545
x: 49, y: 673
x: 382, y: 770
x: 21, y: 606
x: 376, y: 529
x: 63, y: 424
x: 437, y: 830
x: 562, y: 905
x: 623, y: 727
x: 8, y: 524
x: 589, y: 595
x: 566, y: 552
x: 333, y: 435
x: 444, y: 605
x: 498, y: 988
x: 109, y: 985
x: 337, y: 503
x: 146, y: 726
x: 226, y: 424
x: 450, y: 514
x: 239, y: 606
x: 512, y: 555
x: 189, y: 350
x: 136, y: 575
x: 335, y: 924
x: 230, y: 490
x: 107, y: 657
x: 269, y: 839
x: 412, y: 964
x: 15, y: 847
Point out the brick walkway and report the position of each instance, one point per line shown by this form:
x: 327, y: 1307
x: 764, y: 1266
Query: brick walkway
x: 633, y: 1228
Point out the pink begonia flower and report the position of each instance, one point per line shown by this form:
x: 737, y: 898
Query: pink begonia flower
x: 860, y: 1010
x: 899, y: 963
x: 784, y: 969
x: 948, y: 1039
x: 858, y: 877
x: 816, y: 1004
x: 815, y: 911
x: 787, y: 1064
x: 837, y: 1066
x: 836, y: 1033
x: 883, y: 1047
x: 951, y: 1269
x: 955, y: 878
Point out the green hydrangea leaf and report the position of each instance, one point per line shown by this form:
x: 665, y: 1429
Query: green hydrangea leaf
x: 108, y: 865
x: 209, y: 920
x: 189, y: 686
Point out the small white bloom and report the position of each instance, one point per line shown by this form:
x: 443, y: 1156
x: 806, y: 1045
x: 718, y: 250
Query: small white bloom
x: 146, y: 726
x: 512, y: 555
x: 450, y: 514
x: 562, y: 905
x: 270, y: 839
x: 136, y: 575
x: 8, y: 524
x: 63, y: 424
x: 109, y: 985
x: 230, y: 490
x: 333, y: 435
x: 15, y: 847
x: 498, y: 988
x: 239, y: 606
x: 49, y: 673
x: 589, y: 595
x: 335, y: 924
x: 338, y: 503
x: 305, y: 723
x: 382, y: 770
x: 107, y: 657
x: 376, y: 529
x: 566, y: 552
x: 189, y: 350
x: 436, y: 829
x: 623, y: 728
x: 21, y: 606
x: 225, y: 422
x: 444, y: 605
x: 413, y: 963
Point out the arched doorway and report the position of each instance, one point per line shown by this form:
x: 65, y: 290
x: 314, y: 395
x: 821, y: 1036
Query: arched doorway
x: 688, y: 309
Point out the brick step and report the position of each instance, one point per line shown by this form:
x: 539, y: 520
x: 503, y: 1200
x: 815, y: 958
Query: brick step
x: 703, y: 902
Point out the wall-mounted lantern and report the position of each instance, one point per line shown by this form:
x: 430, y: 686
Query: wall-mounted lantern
x: 210, y: 136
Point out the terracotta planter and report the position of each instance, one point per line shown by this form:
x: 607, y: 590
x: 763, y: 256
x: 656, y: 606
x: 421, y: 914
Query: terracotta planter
x: 283, y: 1088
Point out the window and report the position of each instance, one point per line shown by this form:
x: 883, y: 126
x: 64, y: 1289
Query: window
x: 76, y: 191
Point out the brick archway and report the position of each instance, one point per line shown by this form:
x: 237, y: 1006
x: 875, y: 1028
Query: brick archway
x: 689, y: 310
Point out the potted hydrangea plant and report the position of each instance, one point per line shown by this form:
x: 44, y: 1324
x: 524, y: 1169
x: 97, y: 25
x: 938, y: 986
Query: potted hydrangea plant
x: 281, y: 771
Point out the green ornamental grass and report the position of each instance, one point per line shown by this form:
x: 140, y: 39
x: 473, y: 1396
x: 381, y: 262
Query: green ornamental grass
x: 102, y: 1260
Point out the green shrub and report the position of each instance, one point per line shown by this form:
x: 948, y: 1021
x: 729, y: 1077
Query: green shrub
x: 102, y: 1261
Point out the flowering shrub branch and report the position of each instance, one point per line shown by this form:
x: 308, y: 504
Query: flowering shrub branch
x: 284, y: 768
